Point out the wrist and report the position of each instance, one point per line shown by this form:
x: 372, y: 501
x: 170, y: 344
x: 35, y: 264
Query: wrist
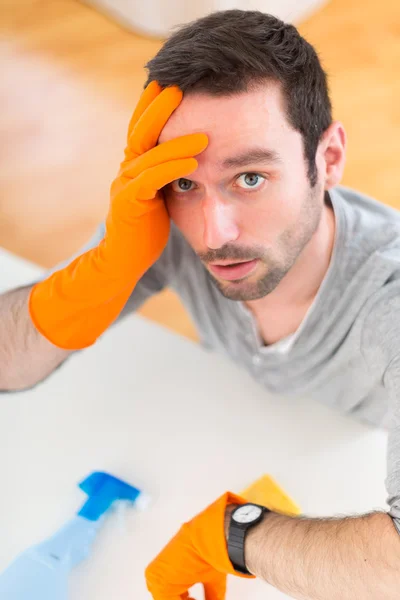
x: 259, y: 543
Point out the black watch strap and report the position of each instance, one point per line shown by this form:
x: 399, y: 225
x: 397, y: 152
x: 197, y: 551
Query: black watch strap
x: 236, y: 549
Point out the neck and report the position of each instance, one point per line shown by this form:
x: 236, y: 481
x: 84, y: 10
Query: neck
x: 299, y: 287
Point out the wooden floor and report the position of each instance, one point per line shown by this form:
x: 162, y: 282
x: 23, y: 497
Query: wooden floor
x: 70, y: 79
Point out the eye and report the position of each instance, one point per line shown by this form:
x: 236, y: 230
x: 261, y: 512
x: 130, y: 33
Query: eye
x: 251, y: 181
x: 181, y: 185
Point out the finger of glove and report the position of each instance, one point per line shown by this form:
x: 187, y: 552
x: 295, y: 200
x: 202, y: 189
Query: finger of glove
x: 150, y: 93
x: 215, y: 589
x: 184, y: 596
x: 157, y: 596
x: 185, y: 146
x: 176, y: 569
x: 148, y: 128
x: 161, y: 588
x: 149, y: 182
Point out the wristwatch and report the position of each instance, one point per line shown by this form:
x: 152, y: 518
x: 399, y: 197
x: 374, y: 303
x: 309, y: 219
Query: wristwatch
x: 242, y: 520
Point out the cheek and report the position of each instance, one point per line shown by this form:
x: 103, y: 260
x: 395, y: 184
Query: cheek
x: 187, y: 219
x: 176, y: 210
x: 266, y: 219
x: 265, y: 216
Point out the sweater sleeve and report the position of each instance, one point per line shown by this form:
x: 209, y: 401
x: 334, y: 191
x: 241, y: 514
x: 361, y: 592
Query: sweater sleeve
x: 392, y: 383
x: 381, y: 349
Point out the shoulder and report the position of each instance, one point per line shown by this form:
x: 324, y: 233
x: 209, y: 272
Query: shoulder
x: 373, y: 235
x: 362, y: 204
x: 368, y: 224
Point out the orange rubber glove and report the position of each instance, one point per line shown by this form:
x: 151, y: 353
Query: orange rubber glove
x: 197, y: 554
x: 75, y: 305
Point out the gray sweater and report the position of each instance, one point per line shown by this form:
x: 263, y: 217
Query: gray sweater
x: 345, y: 353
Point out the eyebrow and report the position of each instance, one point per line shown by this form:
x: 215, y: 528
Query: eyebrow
x: 252, y: 156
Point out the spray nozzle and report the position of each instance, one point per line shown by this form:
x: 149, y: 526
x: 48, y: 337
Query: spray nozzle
x: 103, y: 490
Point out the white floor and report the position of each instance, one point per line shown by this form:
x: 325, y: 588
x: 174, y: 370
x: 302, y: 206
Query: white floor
x: 157, y: 17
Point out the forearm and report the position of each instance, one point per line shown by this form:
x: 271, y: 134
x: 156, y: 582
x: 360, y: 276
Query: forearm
x: 327, y: 559
x: 26, y: 356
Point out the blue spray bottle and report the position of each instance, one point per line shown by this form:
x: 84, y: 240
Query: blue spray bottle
x: 41, y: 572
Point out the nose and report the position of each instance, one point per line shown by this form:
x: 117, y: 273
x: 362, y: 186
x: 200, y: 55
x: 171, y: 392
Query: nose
x: 220, y: 225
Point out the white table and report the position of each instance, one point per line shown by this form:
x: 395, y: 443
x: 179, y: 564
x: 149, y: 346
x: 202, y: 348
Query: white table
x: 186, y: 425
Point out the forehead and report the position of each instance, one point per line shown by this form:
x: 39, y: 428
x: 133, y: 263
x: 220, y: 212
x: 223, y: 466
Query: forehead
x: 248, y: 116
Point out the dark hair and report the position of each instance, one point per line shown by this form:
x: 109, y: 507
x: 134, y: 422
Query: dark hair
x: 233, y: 51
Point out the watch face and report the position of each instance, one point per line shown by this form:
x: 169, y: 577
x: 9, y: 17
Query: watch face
x: 247, y: 513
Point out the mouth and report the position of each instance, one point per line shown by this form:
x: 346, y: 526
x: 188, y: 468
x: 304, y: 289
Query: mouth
x: 233, y: 271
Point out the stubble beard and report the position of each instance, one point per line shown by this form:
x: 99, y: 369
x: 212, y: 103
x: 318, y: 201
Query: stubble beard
x: 291, y: 244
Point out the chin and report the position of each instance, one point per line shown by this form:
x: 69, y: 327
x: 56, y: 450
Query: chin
x: 242, y: 295
x: 253, y: 288
x: 240, y: 291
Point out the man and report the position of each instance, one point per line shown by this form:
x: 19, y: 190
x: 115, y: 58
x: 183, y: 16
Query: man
x: 285, y: 271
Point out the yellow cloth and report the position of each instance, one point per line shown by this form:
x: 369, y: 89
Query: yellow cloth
x: 266, y: 491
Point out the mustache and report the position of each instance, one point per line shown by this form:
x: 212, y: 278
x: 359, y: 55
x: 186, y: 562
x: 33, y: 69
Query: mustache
x: 231, y: 252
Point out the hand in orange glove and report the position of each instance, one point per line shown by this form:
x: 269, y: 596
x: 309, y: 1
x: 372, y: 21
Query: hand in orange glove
x: 76, y: 304
x: 197, y: 554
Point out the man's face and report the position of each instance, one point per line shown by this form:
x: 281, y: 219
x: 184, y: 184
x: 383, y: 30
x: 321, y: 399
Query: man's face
x: 249, y: 209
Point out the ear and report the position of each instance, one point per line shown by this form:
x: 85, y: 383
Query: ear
x: 331, y: 155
